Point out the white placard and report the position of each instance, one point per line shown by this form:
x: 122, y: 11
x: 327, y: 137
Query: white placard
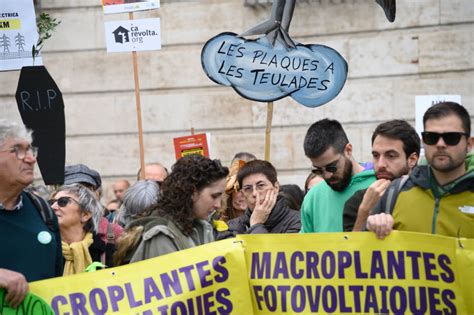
x: 119, y: 6
x: 423, y: 102
x: 18, y: 34
x: 133, y: 35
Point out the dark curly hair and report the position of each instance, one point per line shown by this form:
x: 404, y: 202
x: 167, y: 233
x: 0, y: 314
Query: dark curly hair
x: 189, y: 174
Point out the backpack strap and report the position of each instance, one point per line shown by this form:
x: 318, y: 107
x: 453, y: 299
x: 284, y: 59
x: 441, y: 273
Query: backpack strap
x: 110, y: 234
x: 393, y: 192
x: 44, y: 210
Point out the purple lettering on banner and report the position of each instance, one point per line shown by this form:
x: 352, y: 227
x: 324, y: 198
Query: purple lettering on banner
x: 429, y: 266
x: 226, y: 305
x: 383, y: 294
x: 270, y: 296
x: 149, y: 312
x: 298, y: 299
x: 171, y: 283
x: 417, y: 303
x: 78, y: 303
x: 312, y: 261
x: 329, y: 299
x: 189, y: 277
x: 178, y: 305
x: 313, y: 299
x: 204, y: 272
x: 345, y: 261
x: 200, y: 305
x: 328, y: 265
x: 281, y: 267
x: 356, y: 289
x: 116, y: 294
x: 98, y: 294
x: 131, y: 296
x: 55, y: 301
x: 151, y: 290
x: 370, y: 303
x: 284, y: 296
x: 208, y: 303
x: 414, y: 263
x: 217, y: 264
x: 444, y: 262
x: 357, y: 267
x: 434, y: 301
x: 259, y: 268
x: 448, y: 296
x: 162, y: 309
x: 396, y: 264
x: 402, y: 297
x: 377, y: 266
x: 258, y: 298
x: 295, y: 273
x: 343, y: 308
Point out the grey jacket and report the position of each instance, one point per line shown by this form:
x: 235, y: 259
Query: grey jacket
x: 167, y: 238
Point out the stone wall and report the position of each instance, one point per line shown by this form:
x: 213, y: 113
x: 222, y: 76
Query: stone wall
x: 428, y: 50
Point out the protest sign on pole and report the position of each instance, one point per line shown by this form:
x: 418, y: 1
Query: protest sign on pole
x: 124, y: 6
x: 18, y: 34
x: 133, y: 35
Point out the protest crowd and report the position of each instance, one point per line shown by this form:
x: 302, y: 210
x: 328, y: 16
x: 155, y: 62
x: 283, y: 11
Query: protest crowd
x: 67, y: 230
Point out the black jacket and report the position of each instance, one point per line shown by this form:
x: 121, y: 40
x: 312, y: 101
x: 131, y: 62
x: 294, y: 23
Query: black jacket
x: 281, y: 220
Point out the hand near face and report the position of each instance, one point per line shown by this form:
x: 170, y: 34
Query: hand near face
x: 381, y: 224
x: 374, y: 193
x: 264, y: 207
x: 15, y: 285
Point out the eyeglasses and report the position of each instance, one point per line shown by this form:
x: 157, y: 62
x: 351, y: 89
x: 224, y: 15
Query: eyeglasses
x: 450, y: 138
x: 62, y: 201
x: 21, y: 152
x: 330, y: 168
x: 248, y: 189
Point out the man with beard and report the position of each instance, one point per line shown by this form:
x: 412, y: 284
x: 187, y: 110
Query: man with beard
x: 395, y: 151
x: 437, y: 198
x: 330, y: 152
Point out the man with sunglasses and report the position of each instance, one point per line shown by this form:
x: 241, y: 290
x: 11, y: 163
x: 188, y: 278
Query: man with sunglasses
x: 395, y: 152
x: 31, y: 247
x: 330, y: 152
x: 437, y: 198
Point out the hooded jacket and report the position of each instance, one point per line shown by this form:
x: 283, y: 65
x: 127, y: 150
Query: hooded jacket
x: 422, y: 205
x: 281, y: 220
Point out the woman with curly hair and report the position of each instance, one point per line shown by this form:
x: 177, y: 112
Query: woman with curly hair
x: 188, y: 196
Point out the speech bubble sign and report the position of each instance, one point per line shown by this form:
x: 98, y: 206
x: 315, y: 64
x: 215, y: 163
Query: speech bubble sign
x: 311, y: 74
x: 32, y: 304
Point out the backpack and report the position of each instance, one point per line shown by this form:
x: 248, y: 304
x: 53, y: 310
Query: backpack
x: 45, y: 211
x: 393, y: 192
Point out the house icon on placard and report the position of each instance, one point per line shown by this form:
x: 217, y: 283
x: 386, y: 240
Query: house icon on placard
x: 121, y: 35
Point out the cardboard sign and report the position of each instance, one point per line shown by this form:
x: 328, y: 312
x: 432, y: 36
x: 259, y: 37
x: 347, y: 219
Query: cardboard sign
x: 133, y: 35
x: 18, y: 34
x: 41, y: 108
x: 122, y: 6
x: 193, y: 144
x: 311, y: 74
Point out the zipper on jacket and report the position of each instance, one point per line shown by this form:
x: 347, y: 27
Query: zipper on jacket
x: 435, y: 216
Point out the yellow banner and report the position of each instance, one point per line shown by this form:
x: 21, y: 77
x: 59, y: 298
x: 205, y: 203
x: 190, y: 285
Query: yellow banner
x: 202, y: 280
x: 282, y: 274
x: 357, y: 273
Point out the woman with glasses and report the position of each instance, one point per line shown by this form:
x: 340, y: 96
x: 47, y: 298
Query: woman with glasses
x: 189, y: 195
x: 79, y: 212
x: 266, y: 212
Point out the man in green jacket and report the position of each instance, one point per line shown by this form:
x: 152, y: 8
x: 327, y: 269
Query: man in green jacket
x: 437, y: 198
x: 330, y: 152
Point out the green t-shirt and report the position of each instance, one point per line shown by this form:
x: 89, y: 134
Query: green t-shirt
x: 322, y: 207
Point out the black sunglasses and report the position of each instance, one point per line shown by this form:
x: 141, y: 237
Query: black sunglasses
x: 62, y: 202
x: 450, y: 138
x: 331, y: 168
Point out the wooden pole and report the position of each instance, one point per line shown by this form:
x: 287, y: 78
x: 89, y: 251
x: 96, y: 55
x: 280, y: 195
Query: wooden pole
x: 268, y: 130
x: 139, y: 109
